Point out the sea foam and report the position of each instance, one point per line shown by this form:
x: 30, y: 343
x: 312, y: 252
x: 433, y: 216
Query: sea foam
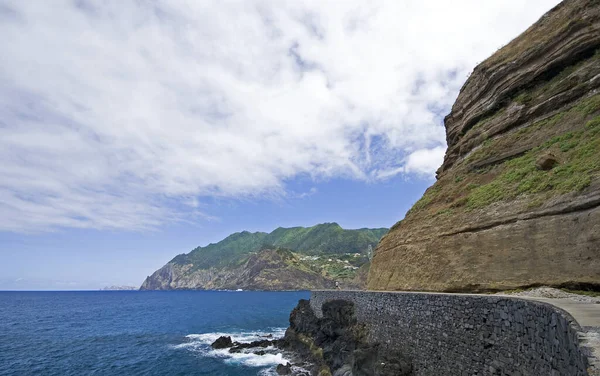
x: 200, y: 344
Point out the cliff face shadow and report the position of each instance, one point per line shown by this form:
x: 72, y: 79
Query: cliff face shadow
x: 338, y: 345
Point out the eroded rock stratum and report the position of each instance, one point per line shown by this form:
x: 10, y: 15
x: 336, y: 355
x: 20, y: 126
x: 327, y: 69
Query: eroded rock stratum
x: 517, y: 199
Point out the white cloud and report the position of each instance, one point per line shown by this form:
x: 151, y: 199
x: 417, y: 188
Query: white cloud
x: 423, y: 162
x: 123, y: 114
x: 310, y: 192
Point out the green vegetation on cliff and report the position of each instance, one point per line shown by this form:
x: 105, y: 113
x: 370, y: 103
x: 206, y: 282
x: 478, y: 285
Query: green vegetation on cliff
x: 326, y: 238
x: 576, y: 151
x: 286, y: 259
x: 516, y: 199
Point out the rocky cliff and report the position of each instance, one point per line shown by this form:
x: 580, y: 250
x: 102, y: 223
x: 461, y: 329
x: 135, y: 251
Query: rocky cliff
x: 517, y: 199
x: 268, y: 270
x: 337, y: 344
x: 296, y: 258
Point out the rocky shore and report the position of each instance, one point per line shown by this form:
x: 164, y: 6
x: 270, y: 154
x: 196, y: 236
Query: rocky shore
x: 337, y: 345
x: 334, y: 345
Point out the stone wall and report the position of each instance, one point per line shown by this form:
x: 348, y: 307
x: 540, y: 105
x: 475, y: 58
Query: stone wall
x: 450, y: 334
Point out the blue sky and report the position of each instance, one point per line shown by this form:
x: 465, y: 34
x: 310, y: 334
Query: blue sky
x: 73, y: 258
x: 134, y: 131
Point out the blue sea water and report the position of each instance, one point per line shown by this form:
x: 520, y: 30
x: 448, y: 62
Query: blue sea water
x: 138, y: 332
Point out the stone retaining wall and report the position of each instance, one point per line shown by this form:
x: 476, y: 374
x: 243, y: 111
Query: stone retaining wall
x: 451, y: 334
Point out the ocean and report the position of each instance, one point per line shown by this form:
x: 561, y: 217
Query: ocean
x: 139, y: 332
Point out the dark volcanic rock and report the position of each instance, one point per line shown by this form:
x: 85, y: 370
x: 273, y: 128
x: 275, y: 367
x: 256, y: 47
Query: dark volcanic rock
x: 284, y: 369
x: 238, y: 347
x: 303, y: 319
x: 222, y: 342
x: 338, y: 344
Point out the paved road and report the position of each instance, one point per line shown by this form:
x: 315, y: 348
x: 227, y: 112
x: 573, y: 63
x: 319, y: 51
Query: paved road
x: 586, y: 314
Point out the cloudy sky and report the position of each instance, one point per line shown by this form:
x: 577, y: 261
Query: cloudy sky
x: 131, y: 131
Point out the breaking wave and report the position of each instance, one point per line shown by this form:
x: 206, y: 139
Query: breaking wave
x: 200, y: 344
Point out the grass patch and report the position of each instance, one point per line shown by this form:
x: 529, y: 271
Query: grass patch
x: 444, y: 212
x: 523, y: 98
x: 428, y: 197
x: 590, y: 106
x: 579, y: 152
x: 462, y: 201
x: 485, y: 195
x: 594, y: 123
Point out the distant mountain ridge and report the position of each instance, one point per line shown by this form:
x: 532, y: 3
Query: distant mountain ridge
x: 211, y: 267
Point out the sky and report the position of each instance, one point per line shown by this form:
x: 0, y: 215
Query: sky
x: 133, y: 131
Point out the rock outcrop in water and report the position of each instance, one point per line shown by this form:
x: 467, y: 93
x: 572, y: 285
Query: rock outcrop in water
x: 517, y: 199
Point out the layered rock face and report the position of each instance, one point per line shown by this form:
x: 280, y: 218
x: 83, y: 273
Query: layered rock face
x: 517, y: 199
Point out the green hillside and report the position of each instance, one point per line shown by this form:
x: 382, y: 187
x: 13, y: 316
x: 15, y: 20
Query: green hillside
x: 326, y: 238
